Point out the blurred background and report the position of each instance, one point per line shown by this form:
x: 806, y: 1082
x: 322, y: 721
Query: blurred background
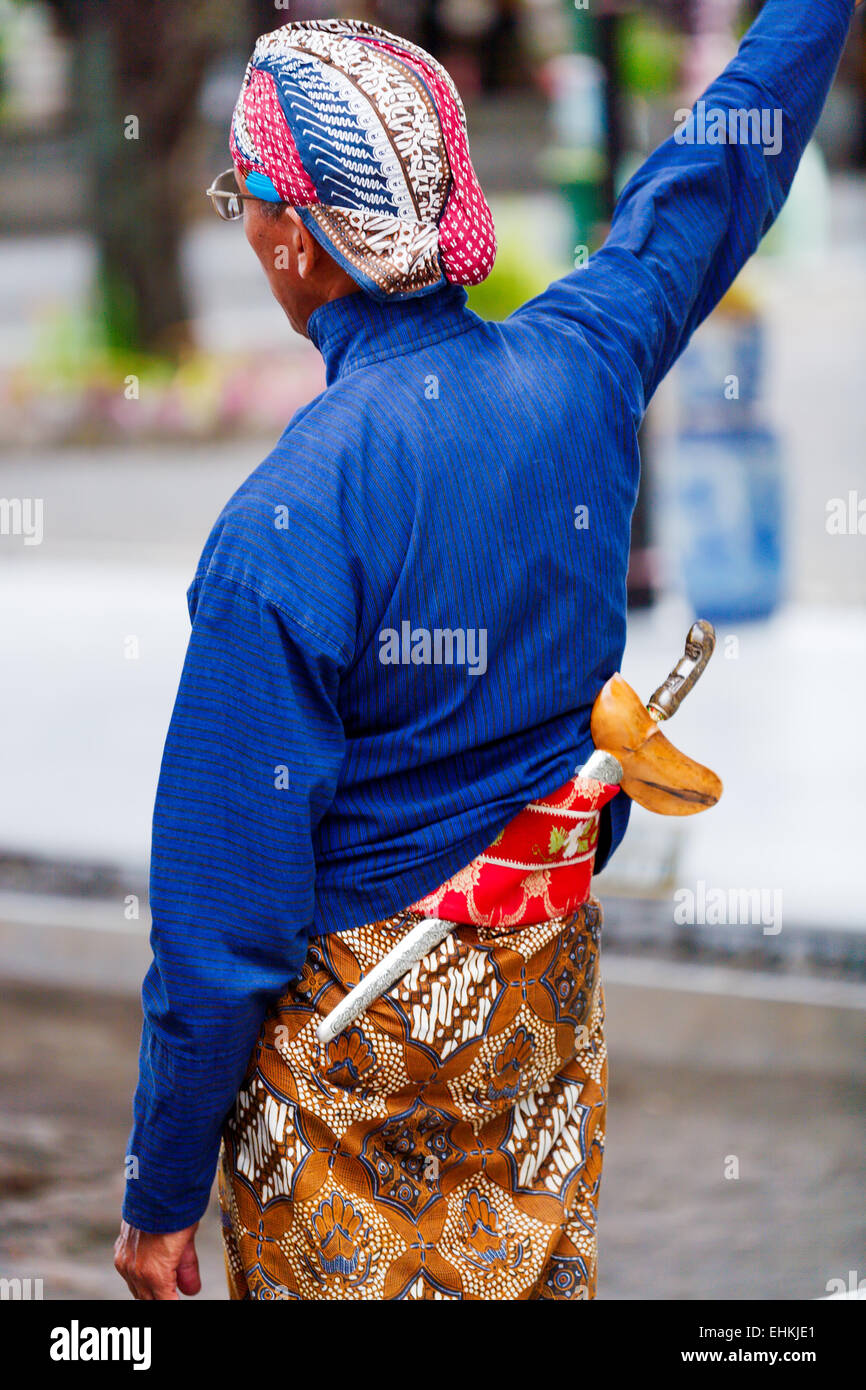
x: 145, y: 371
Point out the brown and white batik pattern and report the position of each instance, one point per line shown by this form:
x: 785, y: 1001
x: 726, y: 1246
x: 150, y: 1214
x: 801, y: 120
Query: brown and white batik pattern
x: 446, y: 1146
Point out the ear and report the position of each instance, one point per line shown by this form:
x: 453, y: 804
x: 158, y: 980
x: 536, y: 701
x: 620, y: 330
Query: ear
x: 309, y: 252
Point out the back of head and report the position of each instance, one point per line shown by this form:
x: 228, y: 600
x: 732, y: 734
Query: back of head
x: 364, y: 134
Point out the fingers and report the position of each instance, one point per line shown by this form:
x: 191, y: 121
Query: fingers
x: 154, y: 1266
x: 126, y: 1256
x: 159, y: 1286
x: 188, y: 1277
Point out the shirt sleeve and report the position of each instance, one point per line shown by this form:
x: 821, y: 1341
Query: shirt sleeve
x: 613, y: 825
x: 696, y: 211
x: 251, y: 765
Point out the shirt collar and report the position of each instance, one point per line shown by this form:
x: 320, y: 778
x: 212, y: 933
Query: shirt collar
x: 356, y: 330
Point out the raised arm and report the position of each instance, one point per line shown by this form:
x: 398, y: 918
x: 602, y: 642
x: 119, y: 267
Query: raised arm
x: 698, y: 208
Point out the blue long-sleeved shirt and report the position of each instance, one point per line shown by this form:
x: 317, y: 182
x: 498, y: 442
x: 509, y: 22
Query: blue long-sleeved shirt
x: 319, y: 772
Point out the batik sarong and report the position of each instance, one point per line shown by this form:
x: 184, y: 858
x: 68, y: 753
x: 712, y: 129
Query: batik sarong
x: 448, y: 1144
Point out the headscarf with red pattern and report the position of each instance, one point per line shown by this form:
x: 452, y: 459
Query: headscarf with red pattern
x: 365, y: 135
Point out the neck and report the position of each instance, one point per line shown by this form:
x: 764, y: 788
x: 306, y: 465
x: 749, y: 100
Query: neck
x: 357, y: 329
x: 339, y: 289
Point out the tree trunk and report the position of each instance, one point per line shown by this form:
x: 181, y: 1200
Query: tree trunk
x: 140, y: 68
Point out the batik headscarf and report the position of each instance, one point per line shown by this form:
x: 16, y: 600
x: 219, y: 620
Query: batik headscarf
x: 365, y: 135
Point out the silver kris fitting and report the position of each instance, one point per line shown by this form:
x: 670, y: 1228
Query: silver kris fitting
x: 603, y: 767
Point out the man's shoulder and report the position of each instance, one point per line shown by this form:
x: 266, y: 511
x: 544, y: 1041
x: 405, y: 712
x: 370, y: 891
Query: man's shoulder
x: 278, y: 542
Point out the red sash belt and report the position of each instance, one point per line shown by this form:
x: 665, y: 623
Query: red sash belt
x: 539, y: 867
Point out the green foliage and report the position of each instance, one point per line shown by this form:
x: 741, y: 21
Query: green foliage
x: 518, y: 275
x: 651, y: 56
x: 74, y: 350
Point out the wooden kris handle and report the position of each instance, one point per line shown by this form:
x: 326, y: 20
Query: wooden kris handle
x: 700, y: 645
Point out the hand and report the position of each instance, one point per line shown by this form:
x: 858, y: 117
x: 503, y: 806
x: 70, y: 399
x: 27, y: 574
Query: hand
x: 157, y: 1266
